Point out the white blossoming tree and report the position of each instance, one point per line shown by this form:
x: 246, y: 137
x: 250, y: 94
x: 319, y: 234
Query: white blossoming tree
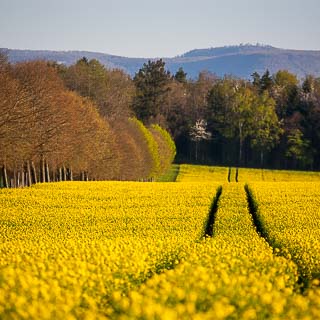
x: 199, y: 133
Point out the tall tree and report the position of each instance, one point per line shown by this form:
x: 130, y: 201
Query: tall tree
x: 111, y: 90
x: 285, y: 93
x: 198, y: 94
x: 266, y: 126
x: 266, y: 81
x: 297, y: 148
x: 152, y: 87
x: 241, y: 113
x: 310, y: 108
x: 181, y: 76
x: 256, y: 80
x: 238, y: 112
x: 199, y: 133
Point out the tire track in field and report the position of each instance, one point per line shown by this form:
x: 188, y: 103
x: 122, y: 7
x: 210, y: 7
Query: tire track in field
x: 229, y: 174
x: 253, y: 210
x: 212, y: 213
x: 173, y: 259
x: 232, y: 178
x: 171, y: 263
x: 261, y: 230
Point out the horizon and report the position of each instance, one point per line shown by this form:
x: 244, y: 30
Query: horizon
x: 148, y: 29
x: 262, y: 45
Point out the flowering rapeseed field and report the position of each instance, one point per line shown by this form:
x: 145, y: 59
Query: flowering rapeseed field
x: 290, y: 215
x: 130, y: 250
x: 247, y: 175
x: 188, y: 173
x: 233, y: 275
x: 67, y: 247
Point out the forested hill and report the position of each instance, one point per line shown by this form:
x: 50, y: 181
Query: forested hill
x: 240, y: 61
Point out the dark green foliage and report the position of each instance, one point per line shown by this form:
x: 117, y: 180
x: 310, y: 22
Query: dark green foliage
x: 181, y: 76
x: 152, y: 87
x: 272, y: 121
x: 256, y: 79
x: 266, y: 81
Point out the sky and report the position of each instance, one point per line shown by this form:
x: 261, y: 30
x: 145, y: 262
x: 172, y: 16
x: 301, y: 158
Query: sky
x: 164, y: 28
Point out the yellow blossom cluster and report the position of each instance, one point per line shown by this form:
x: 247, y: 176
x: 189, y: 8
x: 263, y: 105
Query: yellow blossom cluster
x: 67, y: 248
x: 290, y: 215
x: 233, y: 275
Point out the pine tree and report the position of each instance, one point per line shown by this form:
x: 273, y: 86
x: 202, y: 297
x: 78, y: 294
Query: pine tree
x: 181, y: 76
x: 266, y: 81
x: 152, y: 87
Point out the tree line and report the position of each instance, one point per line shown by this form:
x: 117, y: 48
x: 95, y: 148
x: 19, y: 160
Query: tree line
x: 86, y: 121
x: 268, y: 121
x: 74, y: 123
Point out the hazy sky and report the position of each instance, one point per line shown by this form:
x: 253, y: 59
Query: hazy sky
x: 147, y: 28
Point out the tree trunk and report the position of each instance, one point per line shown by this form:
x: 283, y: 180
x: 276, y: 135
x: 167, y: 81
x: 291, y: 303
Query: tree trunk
x: 33, y: 173
x: 15, y: 182
x: 240, y: 145
x: 47, y: 172
x: 261, y: 159
x: 70, y: 174
x: 64, y: 173
x: 19, y: 179
x: 28, y: 176
x: 60, y: 174
x: 196, y: 151
x: 5, y: 176
x: 42, y: 170
x: 23, y: 183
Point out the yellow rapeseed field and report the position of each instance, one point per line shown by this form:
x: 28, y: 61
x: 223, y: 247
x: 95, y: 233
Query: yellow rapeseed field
x: 290, y: 215
x: 66, y: 247
x: 233, y: 275
x: 247, y: 175
x: 134, y: 250
x: 202, y: 173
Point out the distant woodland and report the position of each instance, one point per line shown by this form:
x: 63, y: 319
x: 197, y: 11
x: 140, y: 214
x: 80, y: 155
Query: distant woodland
x: 85, y: 121
x: 269, y: 121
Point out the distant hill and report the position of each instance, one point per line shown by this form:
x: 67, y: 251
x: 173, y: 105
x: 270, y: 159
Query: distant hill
x: 240, y: 61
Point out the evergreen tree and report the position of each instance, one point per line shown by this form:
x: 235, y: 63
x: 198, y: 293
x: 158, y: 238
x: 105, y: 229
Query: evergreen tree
x: 256, y: 80
x: 266, y: 81
x: 308, y: 84
x: 152, y: 87
x: 181, y: 76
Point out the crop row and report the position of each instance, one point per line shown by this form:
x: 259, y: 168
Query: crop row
x: 290, y: 216
x: 233, y: 275
x: 66, y: 247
